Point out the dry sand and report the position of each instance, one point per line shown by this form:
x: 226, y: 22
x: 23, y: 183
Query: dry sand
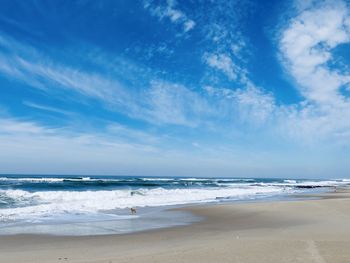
x: 284, y: 231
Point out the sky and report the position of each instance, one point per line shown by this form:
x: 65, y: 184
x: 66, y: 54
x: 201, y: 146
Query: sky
x: 175, y: 88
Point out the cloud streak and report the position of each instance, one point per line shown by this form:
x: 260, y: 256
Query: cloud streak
x: 159, y: 102
x: 171, y: 12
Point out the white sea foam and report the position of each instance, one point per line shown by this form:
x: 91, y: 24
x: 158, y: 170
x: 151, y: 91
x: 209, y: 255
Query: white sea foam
x: 157, y: 179
x: 29, y: 179
x: 38, y: 205
x: 290, y: 181
x: 319, y: 183
x: 50, y: 203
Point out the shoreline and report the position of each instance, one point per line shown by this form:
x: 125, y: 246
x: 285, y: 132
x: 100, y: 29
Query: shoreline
x: 147, y: 218
x: 305, y: 230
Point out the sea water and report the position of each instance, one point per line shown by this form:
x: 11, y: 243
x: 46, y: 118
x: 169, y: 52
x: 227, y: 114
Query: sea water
x: 95, y: 205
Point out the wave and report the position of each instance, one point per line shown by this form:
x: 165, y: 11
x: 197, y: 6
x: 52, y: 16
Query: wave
x: 31, y: 179
x: 34, y: 184
x: 25, y: 198
x: 49, y: 203
x: 290, y: 181
x: 314, y: 184
x: 88, y: 183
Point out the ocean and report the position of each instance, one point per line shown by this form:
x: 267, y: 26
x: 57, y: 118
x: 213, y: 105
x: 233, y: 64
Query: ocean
x: 70, y: 205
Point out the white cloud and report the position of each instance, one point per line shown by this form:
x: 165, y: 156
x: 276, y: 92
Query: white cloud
x: 46, y: 108
x: 250, y: 105
x: 306, y: 46
x: 237, y: 48
x: 154, y: 103
x: 45, y: 75
x: 30, y: 147
x: 254, y: 104
x: 170, y: 11
x: 188, y: 25
x: 175, y: 104
x: 226, y: 49
x: 223, y: 63
x: 158, y: 102
x: 26, y: 64
x: 306, y: 50
x: 10, y: 126
x: 124, y: 132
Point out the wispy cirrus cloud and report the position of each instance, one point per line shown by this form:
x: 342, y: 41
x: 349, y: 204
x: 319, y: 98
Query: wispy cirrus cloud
x: 222, y: 62
x: 175, y: 104
x: 134, y: 135
x: 46, y: 108
x: 250, y: 105
x: 154, y: 103
x: 158, y: 102
x: 26, y: 64
x: 170, y: 10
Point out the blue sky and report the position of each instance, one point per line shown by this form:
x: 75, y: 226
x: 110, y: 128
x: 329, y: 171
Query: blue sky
x: 186, y: 88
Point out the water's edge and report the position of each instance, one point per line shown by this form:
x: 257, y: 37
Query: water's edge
x: 146, y: 219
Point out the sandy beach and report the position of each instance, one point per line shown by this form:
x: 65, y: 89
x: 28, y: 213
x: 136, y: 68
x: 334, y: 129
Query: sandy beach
x: 174, y: 131
x: 279, y: 231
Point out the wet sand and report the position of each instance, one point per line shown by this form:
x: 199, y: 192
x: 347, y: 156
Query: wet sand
x: 279, y: 231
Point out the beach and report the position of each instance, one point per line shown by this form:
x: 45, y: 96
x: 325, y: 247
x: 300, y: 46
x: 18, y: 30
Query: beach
x: 305, y: 230
x: 174, y: 131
